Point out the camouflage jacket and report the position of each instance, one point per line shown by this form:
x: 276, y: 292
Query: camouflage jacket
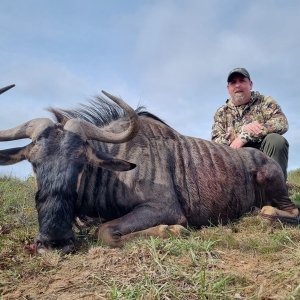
x: 229, y: 119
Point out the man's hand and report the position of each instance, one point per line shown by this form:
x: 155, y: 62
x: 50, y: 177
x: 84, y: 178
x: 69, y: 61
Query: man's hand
x: 254, y: 128
x: 237, y: 143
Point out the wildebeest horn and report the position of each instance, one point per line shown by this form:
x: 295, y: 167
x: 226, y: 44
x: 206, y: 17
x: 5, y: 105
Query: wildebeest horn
x: 92, y: 132
x: 6, y: 88
x: 30, y: 129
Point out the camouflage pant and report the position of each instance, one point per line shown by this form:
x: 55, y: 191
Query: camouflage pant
x: 275, y: 146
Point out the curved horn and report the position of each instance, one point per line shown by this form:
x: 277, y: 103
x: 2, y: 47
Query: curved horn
x: 30, y: 129
x: 6, y: 88
x: 91, y: 132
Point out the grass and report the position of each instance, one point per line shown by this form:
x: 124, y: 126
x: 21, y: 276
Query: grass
x: 294, y: 177
x: 294, y: 181
x: 247, y: 259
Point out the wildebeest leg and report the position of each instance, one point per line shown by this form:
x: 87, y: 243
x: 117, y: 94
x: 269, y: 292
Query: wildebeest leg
x: 140, y: 222
x: 282, y: 206
x: 287, y: 216
x: 163, y: 231
x: 276, y: 194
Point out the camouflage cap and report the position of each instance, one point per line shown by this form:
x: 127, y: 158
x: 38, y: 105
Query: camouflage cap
x: 241, y: 71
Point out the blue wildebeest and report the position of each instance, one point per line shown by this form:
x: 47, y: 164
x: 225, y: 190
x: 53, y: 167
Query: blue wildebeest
x: 171, y: 180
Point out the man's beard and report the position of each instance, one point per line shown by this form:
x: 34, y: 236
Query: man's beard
x: 239, y: 99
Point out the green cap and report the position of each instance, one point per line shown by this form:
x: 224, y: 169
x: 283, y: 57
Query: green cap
x: 241, y: 71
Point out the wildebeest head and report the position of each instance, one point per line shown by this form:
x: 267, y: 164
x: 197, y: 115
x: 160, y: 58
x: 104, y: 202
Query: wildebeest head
x: 58, y: 154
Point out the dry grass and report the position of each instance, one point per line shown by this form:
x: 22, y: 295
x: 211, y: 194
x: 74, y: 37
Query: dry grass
x: 248, y: 259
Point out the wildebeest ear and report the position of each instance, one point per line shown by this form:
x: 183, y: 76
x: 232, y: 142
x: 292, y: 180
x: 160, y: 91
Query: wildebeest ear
x: 14, y: 155
x: 107, y: 161
x: 117, y: 165
x: 60, y: 117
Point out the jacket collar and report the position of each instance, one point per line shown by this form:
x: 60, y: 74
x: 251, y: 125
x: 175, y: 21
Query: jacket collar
x: 254, y: 96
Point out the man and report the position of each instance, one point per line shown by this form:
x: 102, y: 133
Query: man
x: 251, y: 119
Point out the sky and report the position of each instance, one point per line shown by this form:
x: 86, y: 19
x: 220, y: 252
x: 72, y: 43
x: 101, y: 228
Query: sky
x: 171, y: 56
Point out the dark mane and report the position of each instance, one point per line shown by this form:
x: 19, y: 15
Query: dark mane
x: 150, y: 115
x: 99, y: 111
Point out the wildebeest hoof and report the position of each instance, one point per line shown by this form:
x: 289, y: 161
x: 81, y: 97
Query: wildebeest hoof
x: 274, y: 214
x: 108, y: 237
x: 178, y: 230
x: 287, y: 220
x: 268, y: 210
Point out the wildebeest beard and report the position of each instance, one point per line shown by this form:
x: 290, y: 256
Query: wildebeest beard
x: 57, y: 195
x: 55, y: 216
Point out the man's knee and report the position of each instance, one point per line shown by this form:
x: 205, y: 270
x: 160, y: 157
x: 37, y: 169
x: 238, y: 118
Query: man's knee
x: 275, y: 140
x: 277, y: 147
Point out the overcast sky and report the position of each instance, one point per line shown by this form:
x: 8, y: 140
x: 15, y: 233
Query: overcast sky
x: 171, y: 56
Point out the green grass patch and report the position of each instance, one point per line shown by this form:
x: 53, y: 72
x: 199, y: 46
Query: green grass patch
x: 294, y: 177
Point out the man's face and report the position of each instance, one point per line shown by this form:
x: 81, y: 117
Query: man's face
x: 239, y: 89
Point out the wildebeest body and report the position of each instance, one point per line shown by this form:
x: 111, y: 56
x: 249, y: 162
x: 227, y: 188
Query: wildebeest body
x: 186, y: 180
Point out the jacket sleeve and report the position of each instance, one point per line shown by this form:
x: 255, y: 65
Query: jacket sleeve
x: 219, y: 133
x: 275, y: 119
